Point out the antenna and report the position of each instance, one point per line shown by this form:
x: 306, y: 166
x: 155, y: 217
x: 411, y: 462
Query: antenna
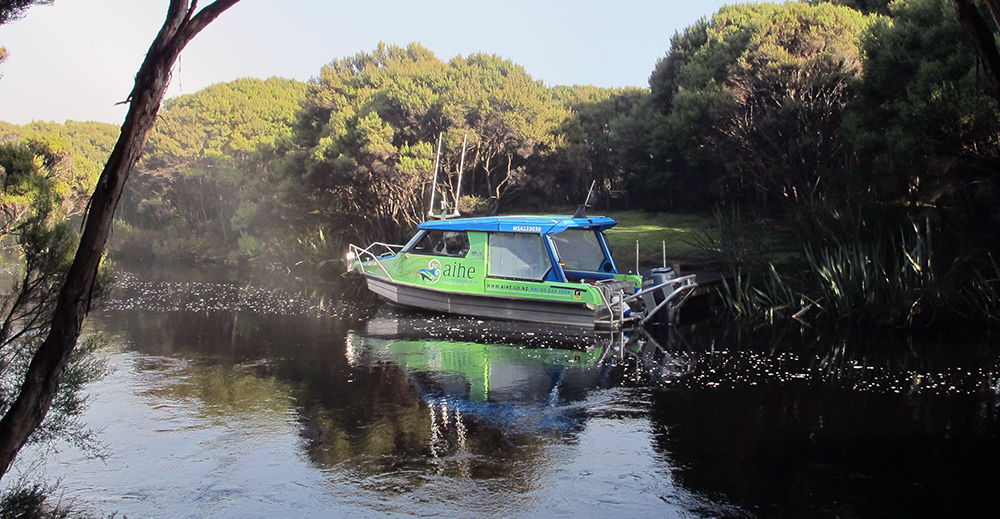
x: 437, y: 160
x: 461, y: 167
x: 581, y: 211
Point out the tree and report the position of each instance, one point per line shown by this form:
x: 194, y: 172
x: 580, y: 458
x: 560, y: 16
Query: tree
x: 35, y: 198
x: 926, y: 128
x: 983, y: 38
x: 752, y: 99
x: 865, y: 6
x: 11, y: 10
x: 588, y: 144
x: 84, y: 146
x: 35, y: 185
x: 369, y: 124
x: 211, y: 153
x: 43, y: 180
x: 183, y: 22
x: 511, y: 119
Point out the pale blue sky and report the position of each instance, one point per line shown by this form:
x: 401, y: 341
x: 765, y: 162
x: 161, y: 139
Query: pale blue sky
x: 77, y: 58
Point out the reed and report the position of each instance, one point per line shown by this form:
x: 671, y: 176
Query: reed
x: 871, y: 278
x: 887, y: 280
x: 981, y: 294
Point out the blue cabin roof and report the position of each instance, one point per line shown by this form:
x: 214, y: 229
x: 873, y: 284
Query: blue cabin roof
x: 530, y: 224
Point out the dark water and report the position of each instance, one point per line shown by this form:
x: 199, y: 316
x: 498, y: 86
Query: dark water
x: 231, y: 400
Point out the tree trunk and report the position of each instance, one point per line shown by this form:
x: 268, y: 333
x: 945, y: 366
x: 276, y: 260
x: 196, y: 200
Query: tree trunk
x: 49, y: 363
x: 982, y: 37
x: 994, y: 7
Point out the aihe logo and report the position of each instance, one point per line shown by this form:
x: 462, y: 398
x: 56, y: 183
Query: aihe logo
x: 432, y: 273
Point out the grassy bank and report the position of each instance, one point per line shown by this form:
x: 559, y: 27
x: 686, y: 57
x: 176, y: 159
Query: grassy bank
x: 678, y: 232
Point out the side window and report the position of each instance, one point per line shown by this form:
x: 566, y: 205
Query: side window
x: 442, y: 243
x: 518, y: 256
x: 579, y: 249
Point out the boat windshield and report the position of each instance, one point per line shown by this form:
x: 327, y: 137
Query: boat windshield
x: 518, y: 256
x: 578, y: 249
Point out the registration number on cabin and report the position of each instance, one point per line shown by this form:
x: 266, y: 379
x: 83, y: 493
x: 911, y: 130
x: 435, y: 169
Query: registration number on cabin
x: 526, y: 228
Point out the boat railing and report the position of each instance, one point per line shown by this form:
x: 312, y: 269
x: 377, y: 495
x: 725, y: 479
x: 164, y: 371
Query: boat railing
x: 683, y: 287
x: 374, y: 252
x: 681, y: 290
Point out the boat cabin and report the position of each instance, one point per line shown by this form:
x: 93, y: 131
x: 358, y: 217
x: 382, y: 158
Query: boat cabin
x: 518, y: 248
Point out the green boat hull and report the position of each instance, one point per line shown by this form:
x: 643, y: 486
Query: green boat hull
x: 485, y: 306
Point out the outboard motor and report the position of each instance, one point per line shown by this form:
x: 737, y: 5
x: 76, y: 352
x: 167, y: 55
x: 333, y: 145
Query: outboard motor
x: 653, y: 299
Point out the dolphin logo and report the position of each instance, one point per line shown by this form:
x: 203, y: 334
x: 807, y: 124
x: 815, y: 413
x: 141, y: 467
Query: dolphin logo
x: 432, y: 273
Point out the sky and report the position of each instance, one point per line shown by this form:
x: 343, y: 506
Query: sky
x: 76, y: 59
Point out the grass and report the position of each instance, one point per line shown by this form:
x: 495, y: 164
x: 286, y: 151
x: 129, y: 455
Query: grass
x: 679, y: 232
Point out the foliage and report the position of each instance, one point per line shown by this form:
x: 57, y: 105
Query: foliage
x: 4, y: 54
x: 926, y: 130
x: 865, y: 6
x: 48, y: 170
x: 803, y: 111
x: 751, y: 101
x: 11, y: 10
x: 33, y: 501
x: 208, y: 165
x: 982, y: 292
x: 234, y: 119
x: 369, y: 127
x: 9, y: 132
x: 678, y: 233
x: 34, y: 202
x: 511, y: 120
x: 833, y: 121
x: 46, y: 372
x: 371, y: 123
x: 83, y: 146
x: 739, y: 242
x: 260, y: 168
x: 873, y: 279
x: 864, y: 275
x: 36, y: 186
x: 588, y: 143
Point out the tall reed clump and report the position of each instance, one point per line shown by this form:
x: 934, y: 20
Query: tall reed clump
x: 981, y: 293
x: 882, y: 280
x: 873, y: 277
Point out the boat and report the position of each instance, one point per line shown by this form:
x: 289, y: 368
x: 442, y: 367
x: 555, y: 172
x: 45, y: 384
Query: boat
x: 544, y: 269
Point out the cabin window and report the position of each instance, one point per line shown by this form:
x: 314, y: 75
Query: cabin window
x: 453, y: 244
x: 518, y: 256
x: 578, y: 249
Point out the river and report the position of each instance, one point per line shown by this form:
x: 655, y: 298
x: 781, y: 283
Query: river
x: 236, y: 399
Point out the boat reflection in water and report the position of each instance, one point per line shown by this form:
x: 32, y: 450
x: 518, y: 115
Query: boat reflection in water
x: 508, y: 377
x: 516, y: 419
x: 509, y: 361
